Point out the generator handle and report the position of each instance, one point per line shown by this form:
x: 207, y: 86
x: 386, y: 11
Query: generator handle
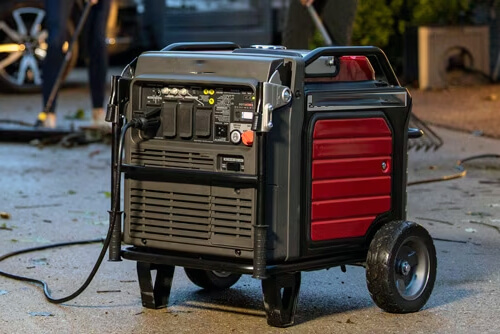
x: 414, y: 133
x: 201, y: 46
x: 339, y: 51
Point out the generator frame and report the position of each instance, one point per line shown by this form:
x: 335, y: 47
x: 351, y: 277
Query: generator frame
x: 295, y: 113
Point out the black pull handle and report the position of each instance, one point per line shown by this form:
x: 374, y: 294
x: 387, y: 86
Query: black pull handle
x: 202, y: 46
x: 414, y: 133
x: 339, y: 51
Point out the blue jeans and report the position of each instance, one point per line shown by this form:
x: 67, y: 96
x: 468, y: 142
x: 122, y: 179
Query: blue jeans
x: 57, y: 16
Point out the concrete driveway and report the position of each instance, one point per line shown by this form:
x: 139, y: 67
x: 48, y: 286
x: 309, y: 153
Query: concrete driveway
x: 55, y: 194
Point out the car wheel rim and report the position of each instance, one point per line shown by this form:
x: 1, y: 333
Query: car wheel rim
x: 23, y: 46
x: 412, y: 268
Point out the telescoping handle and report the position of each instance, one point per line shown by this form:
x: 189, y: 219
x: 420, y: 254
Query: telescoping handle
x: 202, y: 46
x: 367, y: 51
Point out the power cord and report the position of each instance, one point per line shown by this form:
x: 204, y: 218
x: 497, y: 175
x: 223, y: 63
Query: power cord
x: 462, y: 171
x: 136, y: 123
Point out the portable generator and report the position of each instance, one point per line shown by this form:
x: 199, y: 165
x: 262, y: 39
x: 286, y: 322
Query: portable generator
x: 266, y: 161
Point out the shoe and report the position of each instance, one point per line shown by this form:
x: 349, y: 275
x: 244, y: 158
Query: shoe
x: 46, y: 120
x: 99, y: 120
x: 99, y: 117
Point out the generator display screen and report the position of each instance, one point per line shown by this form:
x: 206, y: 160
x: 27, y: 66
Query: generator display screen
x: 199, y: 114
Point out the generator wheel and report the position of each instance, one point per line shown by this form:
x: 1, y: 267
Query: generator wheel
x: 212, y: 280
x: 401, y: 267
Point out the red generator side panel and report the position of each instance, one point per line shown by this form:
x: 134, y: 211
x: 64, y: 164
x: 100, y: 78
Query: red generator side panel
x: 351, y: 176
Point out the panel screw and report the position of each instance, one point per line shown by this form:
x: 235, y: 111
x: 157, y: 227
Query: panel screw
x: 330, y: 61
x: 384, y: 165
x: 237, y: 252
x: 287, y: 95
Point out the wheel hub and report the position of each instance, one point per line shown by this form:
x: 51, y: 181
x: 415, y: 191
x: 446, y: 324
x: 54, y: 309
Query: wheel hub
x: 412, y: 268
x: 405, y: 268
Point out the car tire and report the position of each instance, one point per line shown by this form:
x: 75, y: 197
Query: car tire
x: 22, y: 52
x: 212, y: 280
x: 401, y: 267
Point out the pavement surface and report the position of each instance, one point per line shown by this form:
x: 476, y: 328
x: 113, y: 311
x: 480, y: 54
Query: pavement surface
x: 54, y: 194
x: 473, y: 108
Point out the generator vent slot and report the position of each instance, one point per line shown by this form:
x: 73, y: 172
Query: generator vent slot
x: 232, y: 221
x: 165, y: 215
x: 189, y: 216
x: 163, y: 158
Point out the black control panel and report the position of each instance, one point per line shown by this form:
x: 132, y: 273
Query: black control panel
x: 199, y: 114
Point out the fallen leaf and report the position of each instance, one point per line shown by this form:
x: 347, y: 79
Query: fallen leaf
x: 79, y: 114
x: 491, y: 97
x: 349, y: 321
x: 480, y: 214
x: 5, y: 227
x: 107, y: 194
x: 4, y: 215
x: 93, y: 153
x: 108, y: 291
x: 71, y: 192
x: 41, y: 314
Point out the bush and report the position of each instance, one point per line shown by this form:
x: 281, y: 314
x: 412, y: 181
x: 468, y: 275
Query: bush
x: 374, y: 23
x: 379, y: 21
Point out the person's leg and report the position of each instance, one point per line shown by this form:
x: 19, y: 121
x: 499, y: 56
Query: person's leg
x: 56, y: 17
x: 298, y: 26
x: 338, y: 17
x: 98, y: 57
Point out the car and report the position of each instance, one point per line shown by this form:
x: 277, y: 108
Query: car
x: 23, y: 39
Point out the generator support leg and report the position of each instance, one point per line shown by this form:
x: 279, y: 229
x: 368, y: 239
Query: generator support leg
x: 281, y: 294
x: 155, y: 295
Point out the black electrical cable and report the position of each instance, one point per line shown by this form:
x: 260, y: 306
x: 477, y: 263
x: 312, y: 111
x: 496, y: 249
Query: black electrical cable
x: 462, y: 171
x: 114, y: 210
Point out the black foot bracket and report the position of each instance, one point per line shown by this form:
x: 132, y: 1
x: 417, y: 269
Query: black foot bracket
x: 155, y: 296
x: 281, y: 294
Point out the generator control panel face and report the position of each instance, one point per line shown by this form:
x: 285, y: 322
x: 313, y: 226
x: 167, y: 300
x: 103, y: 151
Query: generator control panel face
x: 210, y: 114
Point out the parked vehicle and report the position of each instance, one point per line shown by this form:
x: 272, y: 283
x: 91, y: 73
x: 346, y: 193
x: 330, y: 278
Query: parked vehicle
x: 132, y: 25
x: 23, y: 37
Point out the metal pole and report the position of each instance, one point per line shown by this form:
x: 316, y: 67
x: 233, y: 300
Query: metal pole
x: 319, y: 24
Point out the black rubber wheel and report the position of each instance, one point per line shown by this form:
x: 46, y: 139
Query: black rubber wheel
x: 23, y: 47
x: 212, y: 280
x: 401, y: 267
